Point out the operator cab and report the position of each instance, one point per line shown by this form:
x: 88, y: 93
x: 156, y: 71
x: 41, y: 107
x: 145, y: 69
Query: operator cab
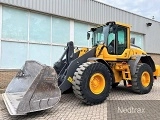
x: 112, y: 35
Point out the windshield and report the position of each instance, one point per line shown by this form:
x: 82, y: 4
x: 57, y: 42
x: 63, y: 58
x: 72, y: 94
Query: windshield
x: 100, y: 35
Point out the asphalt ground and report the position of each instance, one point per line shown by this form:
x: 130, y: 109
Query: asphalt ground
x: 122, y: 103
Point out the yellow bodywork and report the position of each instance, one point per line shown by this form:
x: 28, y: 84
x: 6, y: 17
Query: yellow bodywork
x: 118, y: 63
x: 120, y: 69
x: 157, y: 72
x: 125, y: 55
x: 83, y: 51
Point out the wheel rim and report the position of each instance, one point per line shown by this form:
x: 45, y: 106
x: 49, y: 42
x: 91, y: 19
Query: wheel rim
x: 145, y: 79
x: 97, y: 83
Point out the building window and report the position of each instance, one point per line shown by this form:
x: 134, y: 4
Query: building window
x: 57, y: 52
x: 80, y: 34
x: 13, y: 55
x: 36, y: 36
x: 138, y: 39
x: 60, y: 31
x: 40, y: 53
x: 40, y: 28
x: 14, y: 23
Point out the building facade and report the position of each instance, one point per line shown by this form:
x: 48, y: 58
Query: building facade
x: 39, y: 30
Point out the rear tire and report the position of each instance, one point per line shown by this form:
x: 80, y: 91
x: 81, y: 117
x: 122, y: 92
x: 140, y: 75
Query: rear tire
x: 91, y: 82
x: 142, y: 81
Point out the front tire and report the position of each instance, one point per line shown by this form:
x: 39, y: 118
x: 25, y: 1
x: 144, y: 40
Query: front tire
x: 142, y: 81
x: 91, y: 82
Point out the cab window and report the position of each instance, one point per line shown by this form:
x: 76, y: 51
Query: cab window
x: 121, y: 40
x: 117, y: 41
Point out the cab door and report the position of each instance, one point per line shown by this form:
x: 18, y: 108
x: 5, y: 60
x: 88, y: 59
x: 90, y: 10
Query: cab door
x: 117, y: 40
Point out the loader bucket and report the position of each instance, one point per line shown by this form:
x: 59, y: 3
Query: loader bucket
x: 34, y: 88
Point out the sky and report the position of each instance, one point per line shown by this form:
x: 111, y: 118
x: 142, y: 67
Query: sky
x: 146, y: 8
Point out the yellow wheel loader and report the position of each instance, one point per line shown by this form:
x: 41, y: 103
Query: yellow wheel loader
x: 90, y: 72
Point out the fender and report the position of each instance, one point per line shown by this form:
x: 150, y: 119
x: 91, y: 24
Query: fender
x: 135, y: 59
x: 104, y: 62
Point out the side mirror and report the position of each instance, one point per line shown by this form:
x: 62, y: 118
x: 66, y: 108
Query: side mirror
x: 88, y: 35
x: 132, y: 41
